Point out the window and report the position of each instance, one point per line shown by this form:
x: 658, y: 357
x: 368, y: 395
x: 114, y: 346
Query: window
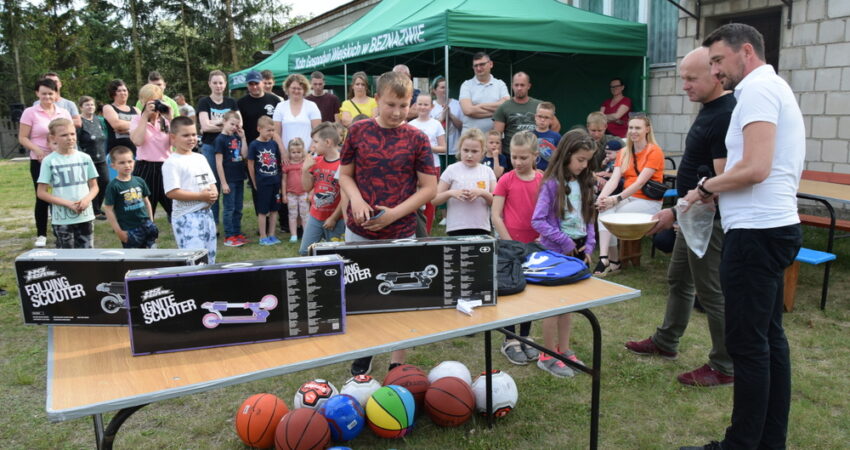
x: 661, y: 16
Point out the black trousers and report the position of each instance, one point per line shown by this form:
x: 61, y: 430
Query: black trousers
x: 751, y: 275
x: 151, y: 172
x: 41, y: 206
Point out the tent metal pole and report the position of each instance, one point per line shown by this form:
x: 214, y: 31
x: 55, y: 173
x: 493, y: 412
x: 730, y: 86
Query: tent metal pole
x: 448, y: 100
x: 345, y: 79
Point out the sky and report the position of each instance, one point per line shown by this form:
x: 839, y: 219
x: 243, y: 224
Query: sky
x: 313, y: 7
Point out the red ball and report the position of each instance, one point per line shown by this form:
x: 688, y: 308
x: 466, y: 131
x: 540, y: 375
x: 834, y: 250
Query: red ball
x: 411, y: 378
x: 302, y: 428
x: 257, y: 418
x: 449, y: 402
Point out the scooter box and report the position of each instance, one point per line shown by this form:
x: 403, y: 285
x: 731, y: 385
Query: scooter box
x: 185, y: 308
x: 411, y: 274
x: 86, y: 286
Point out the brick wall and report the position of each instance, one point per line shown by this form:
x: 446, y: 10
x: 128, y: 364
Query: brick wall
x: 814, y: 58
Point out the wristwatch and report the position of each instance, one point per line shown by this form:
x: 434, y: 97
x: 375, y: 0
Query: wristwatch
x: 619, y: 198
x: 702, y: 190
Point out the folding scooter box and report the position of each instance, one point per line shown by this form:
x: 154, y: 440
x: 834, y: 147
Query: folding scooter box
x: 411, y: 274
x: 86, y: 286
x: 185, y: 308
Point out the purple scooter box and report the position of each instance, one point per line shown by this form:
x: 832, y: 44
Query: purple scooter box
x: 187, y: 308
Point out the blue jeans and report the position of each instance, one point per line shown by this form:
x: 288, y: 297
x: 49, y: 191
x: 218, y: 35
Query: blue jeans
x: 314, y: 231
x: 209, y: 153
x: 752, y: 275
x: 232, y: 203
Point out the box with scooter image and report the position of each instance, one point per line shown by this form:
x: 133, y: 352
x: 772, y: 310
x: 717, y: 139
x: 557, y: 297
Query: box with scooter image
x: 184, y: 308
x: 86, y: 286
x: 411, y: 274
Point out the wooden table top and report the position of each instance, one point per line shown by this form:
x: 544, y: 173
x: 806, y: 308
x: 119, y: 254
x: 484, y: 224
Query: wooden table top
x: 91, y: 370
x: 826, y: 190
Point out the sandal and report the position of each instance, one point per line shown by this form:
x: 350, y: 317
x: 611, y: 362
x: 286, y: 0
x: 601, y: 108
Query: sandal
x: 601, y: 268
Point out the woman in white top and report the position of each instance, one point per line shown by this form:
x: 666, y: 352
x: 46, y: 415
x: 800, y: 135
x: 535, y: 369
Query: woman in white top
x: 296, y: 117
x: 447, y: 111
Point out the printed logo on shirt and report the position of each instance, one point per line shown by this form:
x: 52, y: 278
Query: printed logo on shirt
x: 235, y: 154
x: 270, y: 110
x: 72, y: 174
x: 133, y: 198
x: 481, y: 184
x: 268, y: 162
x: 218, y: 113
x: 203, y: 181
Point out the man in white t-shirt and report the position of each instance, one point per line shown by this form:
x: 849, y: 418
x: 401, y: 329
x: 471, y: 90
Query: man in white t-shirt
x: 481, y: 95
x: 766, y: 143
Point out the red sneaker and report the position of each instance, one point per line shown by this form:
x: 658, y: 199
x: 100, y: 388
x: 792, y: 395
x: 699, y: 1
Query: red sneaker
x: 648, y: 348
x: 241, y: 237
x: 705, y: 376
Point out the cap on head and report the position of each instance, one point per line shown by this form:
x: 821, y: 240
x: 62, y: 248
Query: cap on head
x: 613, y: 145
x: 253, y: 77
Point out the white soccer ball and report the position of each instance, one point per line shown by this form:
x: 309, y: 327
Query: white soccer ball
x: 313, y: 394
x: 450, y: 369
x: 361, y: 387
x: 505, y: 393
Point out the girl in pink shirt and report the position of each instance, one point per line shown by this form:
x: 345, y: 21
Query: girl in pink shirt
x: 296, y: 196
x: 513, y: 206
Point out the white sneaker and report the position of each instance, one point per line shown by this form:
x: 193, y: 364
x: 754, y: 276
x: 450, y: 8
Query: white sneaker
x: 41, y: 241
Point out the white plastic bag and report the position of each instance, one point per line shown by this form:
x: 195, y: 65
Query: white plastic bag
x: 696, y: 225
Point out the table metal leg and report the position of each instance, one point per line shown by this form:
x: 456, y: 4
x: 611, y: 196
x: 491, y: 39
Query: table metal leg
x: 488, y: 378
x: 106, y: 438
x: 594, y: 370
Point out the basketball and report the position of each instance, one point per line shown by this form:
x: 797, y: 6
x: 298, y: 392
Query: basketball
x: 302, y: 428
x: 313, y: 394
x: 257, y: 418
x: 449, y: 402
x: 505, y: 393
x: 361, y: 387
x: 389, y: 411
x: 450, y: 369
x: 411, y: 378
x: 345, y: 417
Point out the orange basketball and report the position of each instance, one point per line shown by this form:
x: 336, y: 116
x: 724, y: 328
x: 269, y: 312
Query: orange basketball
x: 257, y: 419
x: 302, y: 428
x: 411, y: 378
x: 449, y: 402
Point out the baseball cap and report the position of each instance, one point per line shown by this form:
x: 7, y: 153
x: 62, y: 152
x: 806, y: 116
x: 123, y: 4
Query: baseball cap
x: 614, y: 145
x: 253, y: 77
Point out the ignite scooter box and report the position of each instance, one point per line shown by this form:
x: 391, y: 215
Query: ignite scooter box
x: 185, y: 308
x: 85, y: 286
x: 410, y: 274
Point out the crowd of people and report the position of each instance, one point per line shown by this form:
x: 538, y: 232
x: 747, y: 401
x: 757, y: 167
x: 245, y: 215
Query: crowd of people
x: 379, y: 165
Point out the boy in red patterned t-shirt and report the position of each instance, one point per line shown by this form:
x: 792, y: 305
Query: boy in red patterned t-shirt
x: 384, y: 160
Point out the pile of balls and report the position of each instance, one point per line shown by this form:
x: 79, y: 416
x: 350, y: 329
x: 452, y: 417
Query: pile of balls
x: 322, y: 414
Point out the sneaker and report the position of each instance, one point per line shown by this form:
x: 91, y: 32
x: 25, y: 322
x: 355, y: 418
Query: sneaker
x: 361, y: 366
x: 41, y: 241
x: 393, y: 366
x: 274, y: 240
x: 530, y: 352
x: 100, y: 216
x: 513, y: 351
x: 293, y: 238
x: 242, y: 238
x: 648, y: 348
x: 554, y: 366
x: 232, y: 241
x: 713, y: 445
x: 265, y: 241
x: 571, y: 355
x: 706, y: 376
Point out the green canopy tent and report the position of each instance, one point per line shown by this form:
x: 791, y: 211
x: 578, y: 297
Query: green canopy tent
x: 277, y: 62
x: 570, y: 54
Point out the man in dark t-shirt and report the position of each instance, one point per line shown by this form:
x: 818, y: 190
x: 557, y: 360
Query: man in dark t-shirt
x: 327, y: 102
x: 690, y: 275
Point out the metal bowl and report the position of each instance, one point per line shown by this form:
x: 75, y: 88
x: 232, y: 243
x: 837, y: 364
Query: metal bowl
x: 628, y: 226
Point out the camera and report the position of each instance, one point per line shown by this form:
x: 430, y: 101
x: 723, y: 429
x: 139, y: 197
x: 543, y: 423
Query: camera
x: 161, y: 107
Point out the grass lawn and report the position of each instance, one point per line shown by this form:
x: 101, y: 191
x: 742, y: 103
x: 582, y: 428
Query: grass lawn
x: 643, y: 406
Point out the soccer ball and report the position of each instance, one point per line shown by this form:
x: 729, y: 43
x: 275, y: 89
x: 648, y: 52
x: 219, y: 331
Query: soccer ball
x: 505, y: 393
x: 313, y: 394
x: 361, y: 387
x: 450, y: 369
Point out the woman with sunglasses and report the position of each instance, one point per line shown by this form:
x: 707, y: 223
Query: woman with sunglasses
x: 617, y: 108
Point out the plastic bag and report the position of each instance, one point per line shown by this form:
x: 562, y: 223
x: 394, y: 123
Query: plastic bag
x: 696, y: 225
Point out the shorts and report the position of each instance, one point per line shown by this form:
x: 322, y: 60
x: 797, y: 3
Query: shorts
x: 76, y: 235
x: 268, y: 198
x: 143, y: 236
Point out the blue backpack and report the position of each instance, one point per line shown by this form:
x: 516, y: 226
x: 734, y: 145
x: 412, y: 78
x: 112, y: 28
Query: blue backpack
x: 552, y: 269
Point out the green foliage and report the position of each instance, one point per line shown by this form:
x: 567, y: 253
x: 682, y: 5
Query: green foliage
x: 91, y: 42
